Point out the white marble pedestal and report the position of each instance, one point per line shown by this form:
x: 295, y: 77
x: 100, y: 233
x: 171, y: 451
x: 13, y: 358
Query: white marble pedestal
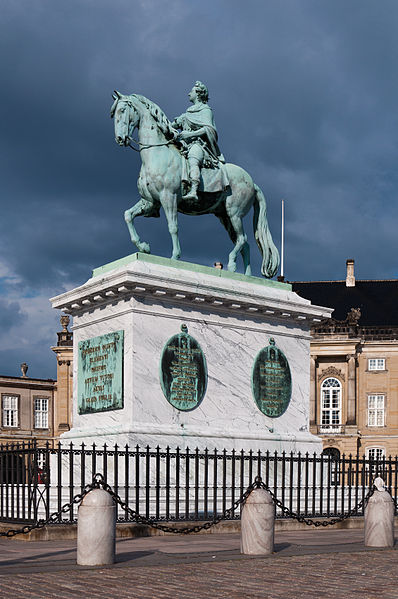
x: 231, y: 316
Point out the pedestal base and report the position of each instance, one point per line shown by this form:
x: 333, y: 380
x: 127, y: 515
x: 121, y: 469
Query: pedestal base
x: 231, y: 316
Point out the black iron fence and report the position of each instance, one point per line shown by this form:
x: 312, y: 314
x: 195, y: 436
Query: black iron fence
x: 182, y: 484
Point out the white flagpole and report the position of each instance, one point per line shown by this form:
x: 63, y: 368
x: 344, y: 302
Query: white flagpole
x: 283, y: 239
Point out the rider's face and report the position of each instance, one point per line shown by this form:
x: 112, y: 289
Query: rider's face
x: 193, y: 96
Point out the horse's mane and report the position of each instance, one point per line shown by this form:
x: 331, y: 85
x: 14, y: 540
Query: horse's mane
x: 157, y: 114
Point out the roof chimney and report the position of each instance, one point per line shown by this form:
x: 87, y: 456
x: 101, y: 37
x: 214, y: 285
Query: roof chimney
x: 350, y: 277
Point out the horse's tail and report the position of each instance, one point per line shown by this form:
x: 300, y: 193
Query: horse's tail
x: 262, y: 234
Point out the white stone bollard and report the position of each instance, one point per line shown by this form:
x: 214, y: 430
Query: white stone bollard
x: 96, y: 529
x: 257, y: 524
x: 379, y: 517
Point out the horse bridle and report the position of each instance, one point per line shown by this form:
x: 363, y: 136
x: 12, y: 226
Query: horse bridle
x: 147, y: 146
x: 131, y: 128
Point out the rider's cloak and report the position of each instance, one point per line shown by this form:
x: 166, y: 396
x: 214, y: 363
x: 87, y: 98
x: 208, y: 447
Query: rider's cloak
x: 198, y: 116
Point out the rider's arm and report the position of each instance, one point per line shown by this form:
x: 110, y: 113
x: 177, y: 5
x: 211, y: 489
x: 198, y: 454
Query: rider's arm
x: 190, y: 134
x: 177, y: 123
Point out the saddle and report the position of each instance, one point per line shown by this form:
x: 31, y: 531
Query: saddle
x: 212, y: 180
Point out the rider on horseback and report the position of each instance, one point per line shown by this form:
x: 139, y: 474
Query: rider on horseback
x: 200, y: 133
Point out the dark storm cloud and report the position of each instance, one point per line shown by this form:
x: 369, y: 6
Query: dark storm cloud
x: 304, y: 95
x: 10, y: 315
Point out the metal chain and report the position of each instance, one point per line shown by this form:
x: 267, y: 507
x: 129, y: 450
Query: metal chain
x: 98, y: 482
x: 317, y: 523
x: 55, y: 516
x: 258, y: 483
x: 187, y: 529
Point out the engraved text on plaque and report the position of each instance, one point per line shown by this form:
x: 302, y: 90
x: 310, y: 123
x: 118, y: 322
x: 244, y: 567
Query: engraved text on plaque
x: 100, y: 373
x: 183, y: 371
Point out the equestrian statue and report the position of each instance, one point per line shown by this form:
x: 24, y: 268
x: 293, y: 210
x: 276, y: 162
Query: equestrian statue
x: 183, y: 170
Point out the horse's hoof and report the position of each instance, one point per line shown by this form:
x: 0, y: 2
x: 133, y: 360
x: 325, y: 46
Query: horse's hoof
x: 176, y: 257
x: 144, y: 247
x: 231, y: 266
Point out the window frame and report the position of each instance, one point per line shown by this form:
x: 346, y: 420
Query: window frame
x: 376, y: 410
x: 3, y: 424
x: 333, y: 456
x: 375, y: 448
x: 331, y: 409
x: 41, y: 398
x: 376, y: 368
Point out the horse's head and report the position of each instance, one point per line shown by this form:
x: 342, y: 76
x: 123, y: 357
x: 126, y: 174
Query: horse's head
x: 126, y: 118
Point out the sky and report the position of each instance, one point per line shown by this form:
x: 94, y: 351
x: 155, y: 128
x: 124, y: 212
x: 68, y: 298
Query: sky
x: 305, y: 97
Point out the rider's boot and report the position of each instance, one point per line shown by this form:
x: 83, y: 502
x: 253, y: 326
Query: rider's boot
x: 194, y: 173
x: 193, y: 192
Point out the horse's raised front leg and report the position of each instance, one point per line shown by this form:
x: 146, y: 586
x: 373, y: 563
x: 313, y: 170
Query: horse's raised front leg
x: 141, y: 208
x: 169, y: 203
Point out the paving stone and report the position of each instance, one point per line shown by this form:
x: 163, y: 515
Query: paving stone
x: 331, y: 576
x: 313, y: 564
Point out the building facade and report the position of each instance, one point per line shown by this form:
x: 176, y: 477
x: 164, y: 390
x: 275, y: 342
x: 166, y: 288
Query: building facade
x: 354, y: 366
x: 35, y: 409
x: 64, y: 395
x: 27, y: 409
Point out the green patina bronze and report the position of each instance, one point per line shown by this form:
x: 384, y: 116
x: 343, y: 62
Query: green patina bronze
x: 188, y: 266
x: 100, y: 373
x: 271, y: 381
x: 183, y: 371
x: 184, y: 171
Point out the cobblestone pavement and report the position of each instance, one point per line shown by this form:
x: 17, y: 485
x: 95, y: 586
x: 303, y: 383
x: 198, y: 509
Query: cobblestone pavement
x: 368, y: 575
x: 308, y: 563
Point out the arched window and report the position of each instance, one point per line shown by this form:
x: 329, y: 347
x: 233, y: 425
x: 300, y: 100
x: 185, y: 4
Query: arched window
x: 333, y: 463
x: 331, y: 403
x: 333, y: 452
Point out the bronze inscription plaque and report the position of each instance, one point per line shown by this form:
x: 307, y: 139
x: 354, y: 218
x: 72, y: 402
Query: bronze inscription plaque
x: 100, y: 373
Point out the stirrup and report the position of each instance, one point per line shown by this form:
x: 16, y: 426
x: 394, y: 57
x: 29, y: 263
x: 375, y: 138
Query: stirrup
x: 191, y: 195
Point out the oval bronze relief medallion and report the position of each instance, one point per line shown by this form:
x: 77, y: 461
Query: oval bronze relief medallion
x: 183, y: 371
x: 271, y: 381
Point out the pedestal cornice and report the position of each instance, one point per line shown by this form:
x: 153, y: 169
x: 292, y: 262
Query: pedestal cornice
x: 166, y: 280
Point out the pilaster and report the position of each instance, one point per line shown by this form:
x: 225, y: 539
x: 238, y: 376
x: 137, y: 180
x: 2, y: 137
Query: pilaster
x: 351, y: 389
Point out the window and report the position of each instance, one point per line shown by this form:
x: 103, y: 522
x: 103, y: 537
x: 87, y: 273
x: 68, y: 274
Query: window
x: 12, y: 469
x: 41, y: 461
x: 375, y: 465
x: 376, y: 364
x: 375, y: 453
x: 331, y: 403
x: 41, y: 412
x: 333, y: 461
x: 10, y: 410
x: 375, y: 410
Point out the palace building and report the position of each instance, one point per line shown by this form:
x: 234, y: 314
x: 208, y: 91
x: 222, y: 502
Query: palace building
x: 39, y: 410
x: 27, y: 408
x: 354, y: 365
